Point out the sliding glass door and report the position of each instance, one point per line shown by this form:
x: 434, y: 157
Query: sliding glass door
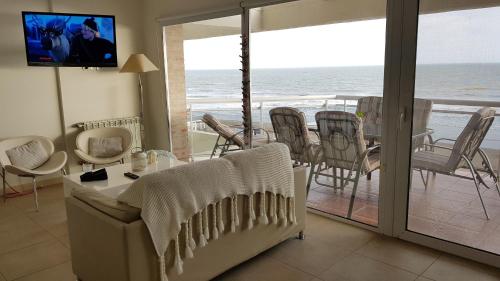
x: 305, y: 62
x: 434, y: 152
x: 451, y: 153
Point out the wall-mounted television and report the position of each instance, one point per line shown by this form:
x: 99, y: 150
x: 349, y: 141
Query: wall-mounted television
x: 60, y: 39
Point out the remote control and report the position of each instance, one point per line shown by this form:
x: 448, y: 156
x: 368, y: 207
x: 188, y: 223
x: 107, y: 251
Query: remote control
x: 130, y: 175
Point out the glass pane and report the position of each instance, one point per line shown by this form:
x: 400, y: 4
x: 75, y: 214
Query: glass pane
x: 454, y: 195
x: 314, y: 61
x: 213, y: 80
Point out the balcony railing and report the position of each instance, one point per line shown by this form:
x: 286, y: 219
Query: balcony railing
x: 326, y: 102
x: 312, y: 103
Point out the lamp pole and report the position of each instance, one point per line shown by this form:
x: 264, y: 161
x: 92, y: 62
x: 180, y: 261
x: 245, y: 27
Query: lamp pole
x: 141, y: 97
x: 139, y: 63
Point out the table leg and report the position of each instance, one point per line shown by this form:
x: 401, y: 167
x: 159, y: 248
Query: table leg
x: 371, y: 142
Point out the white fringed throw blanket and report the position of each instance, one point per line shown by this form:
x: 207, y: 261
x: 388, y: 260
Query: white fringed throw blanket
x: 181, y: 199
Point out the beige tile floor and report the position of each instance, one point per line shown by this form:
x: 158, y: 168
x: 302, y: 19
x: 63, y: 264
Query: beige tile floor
x: 449, y: 208
x: 34, y: 247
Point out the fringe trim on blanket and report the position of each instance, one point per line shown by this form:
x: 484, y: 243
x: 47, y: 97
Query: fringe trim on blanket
x: 202, y: 241
x: 220, y: 222
x: 192, y: 243
x: 262, y: 208
x: 161, y: 262
x: 215, y: 231
x: 206, y: 231
x: 281, y: 209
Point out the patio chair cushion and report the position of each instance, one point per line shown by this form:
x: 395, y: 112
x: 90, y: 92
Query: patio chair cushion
x: 370, y: 108
x: 223, y: 130
x: 373, y: 161
x: 430, y: 160
x: 472, y: 136
x: 290, y: 128
x: 342, y: 140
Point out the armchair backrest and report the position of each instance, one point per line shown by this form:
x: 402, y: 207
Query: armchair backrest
x: 18, y: 141
x: 342, y: 141
x: 222, y: 129
x: 82, y: 140
x: 371, y: 109
x: 422, y: 109
x: 469, y: 141
x: 290, y: 128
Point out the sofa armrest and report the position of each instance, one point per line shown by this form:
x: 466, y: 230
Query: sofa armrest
x: 107, y: 205
x: 97, y: 242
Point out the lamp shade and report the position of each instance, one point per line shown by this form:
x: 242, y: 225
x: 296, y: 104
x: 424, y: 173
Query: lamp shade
x: 138, y: 63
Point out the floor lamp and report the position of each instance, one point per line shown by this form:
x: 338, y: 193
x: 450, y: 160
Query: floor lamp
x: 139, y: 63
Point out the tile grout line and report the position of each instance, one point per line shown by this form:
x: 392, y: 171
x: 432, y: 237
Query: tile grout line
x: 35, y: 272
x: 348, y: 255
x: 294, y: 267
x: 57, y: 238
x: 422, y: 275
x: 391, y: 265
x: 31, y: 245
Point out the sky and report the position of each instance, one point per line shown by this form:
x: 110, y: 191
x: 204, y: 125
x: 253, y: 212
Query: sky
x: 471, y: 36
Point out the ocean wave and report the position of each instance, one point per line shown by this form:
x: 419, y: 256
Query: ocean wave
x: 475, y: 89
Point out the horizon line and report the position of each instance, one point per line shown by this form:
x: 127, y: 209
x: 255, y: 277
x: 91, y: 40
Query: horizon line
x: 338, y: 66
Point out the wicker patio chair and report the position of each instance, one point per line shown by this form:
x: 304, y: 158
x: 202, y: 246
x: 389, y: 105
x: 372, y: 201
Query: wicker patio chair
x: 290, y: 128
x: 461, y: 155
x: 233, y: 140
x: 342, y: 146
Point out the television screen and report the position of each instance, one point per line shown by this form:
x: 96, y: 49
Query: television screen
x: 56, y: 39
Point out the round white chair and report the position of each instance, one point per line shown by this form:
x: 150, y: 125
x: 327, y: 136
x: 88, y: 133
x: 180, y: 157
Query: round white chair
x: 82, y: 144
x: 54, y: 164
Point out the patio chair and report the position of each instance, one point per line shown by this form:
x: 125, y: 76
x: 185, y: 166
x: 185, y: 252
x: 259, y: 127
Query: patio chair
x: 371, y: 110
x: 461, y: 155
x: 342, y: 146
x: 233, y: 140
x: 290, y: 128
x: 422, y: 109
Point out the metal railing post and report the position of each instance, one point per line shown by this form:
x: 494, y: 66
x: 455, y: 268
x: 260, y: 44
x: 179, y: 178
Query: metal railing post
x: 261, y: 107
x: 191, y: 117
x: 345, y: 105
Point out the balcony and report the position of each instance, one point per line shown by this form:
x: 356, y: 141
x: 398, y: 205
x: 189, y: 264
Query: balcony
x: 449, y: 208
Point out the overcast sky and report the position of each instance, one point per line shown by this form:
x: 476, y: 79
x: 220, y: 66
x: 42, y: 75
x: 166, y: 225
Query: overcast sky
x: 453, y: 37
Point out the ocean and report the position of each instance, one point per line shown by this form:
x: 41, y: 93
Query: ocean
x: 451, y: 81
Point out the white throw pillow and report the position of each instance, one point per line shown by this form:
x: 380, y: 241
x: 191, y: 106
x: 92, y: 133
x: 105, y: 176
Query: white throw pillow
x: 105, y: 147
x: 30, y: 156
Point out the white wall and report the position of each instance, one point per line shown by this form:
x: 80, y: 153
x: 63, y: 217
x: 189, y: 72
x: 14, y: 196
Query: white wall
x: 28, y: 95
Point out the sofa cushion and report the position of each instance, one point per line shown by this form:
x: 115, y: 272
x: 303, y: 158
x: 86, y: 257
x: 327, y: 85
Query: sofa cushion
x: 107, y: 205
x: 30, y: 156
x: 105, y: 147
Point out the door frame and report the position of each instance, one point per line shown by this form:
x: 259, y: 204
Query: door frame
x: 409, y: 12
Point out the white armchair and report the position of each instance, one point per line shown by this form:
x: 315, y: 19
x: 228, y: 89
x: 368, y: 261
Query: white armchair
x: 54, y: 164
x: 82, y: 144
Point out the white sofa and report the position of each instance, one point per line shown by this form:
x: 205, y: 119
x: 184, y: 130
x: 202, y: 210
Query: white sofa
x: 110, y: 242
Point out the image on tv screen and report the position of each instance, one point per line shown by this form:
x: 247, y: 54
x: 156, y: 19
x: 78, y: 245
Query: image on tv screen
x: 70, y: 39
